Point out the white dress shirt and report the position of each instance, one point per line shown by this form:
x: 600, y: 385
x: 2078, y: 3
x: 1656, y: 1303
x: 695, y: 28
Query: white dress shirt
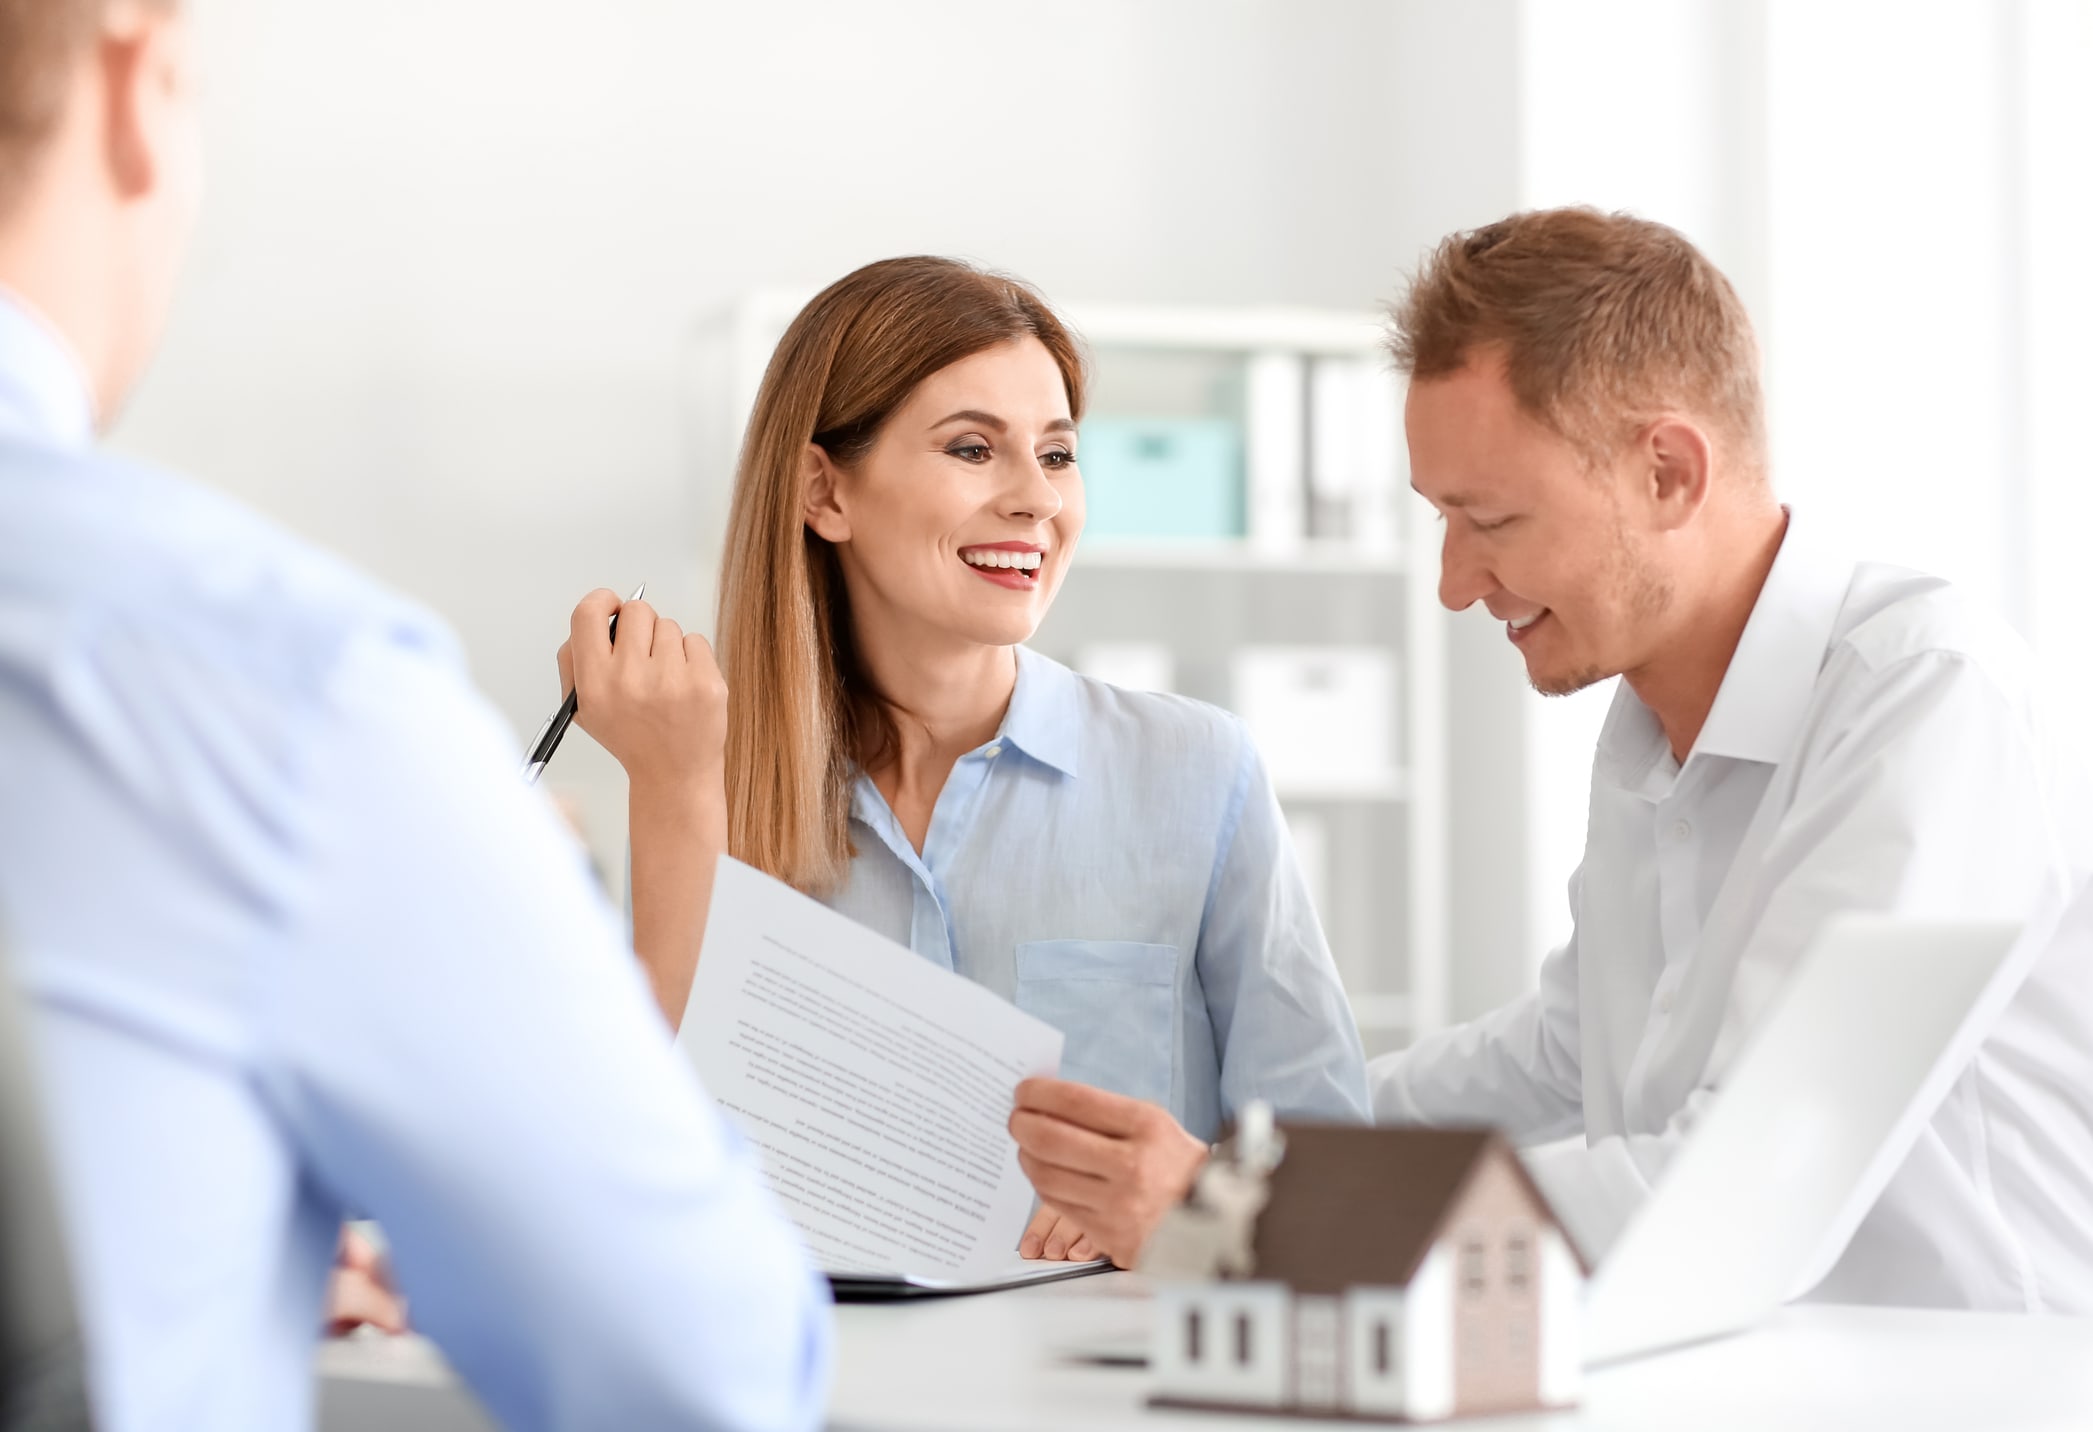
x: 1876, y: 746
x: 297, y: 942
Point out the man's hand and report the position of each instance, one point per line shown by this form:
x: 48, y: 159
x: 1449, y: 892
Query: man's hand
x: 1053, y: 1234
x: 361, y: 1291
x: 1115, y: 1165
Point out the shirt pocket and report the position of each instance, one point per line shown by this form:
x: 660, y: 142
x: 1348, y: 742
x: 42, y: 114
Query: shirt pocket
x: 1115, y: 1002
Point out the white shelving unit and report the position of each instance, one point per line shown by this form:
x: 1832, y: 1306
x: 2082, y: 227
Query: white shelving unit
x: 1313, y: 555
x: 1386, y: 881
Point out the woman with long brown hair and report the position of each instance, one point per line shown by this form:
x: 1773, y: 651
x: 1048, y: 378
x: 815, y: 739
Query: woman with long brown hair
x: 907, y: 504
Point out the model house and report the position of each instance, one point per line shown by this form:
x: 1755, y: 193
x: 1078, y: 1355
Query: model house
x: 1357, y: 1272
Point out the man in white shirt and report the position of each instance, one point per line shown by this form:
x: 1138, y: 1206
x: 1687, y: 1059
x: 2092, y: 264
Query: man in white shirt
x: 296, y: 940
x: 1795, y: 736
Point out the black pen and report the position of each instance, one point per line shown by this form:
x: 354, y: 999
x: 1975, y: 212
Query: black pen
x: 556, y: 724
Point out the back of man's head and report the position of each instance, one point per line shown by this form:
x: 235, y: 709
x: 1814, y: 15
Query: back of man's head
x: 1601, y: 320
x: 42, y: 42
x: 37, y: 41
x: 98, y: 172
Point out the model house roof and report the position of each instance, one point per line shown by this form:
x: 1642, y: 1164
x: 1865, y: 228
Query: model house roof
x: 1352, y: 1206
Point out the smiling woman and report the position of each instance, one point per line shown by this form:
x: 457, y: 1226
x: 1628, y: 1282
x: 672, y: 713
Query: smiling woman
x: 908, y: 502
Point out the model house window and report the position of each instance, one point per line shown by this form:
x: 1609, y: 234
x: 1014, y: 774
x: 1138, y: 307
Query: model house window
x: 1475, y: 1267
x: 1192, y: 1335
x: 1242, y: 1339
x: 1518, y: 1261
x: 1381, y: 1341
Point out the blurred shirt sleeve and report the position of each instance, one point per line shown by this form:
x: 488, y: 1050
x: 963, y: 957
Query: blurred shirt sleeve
x: 465, y: 1050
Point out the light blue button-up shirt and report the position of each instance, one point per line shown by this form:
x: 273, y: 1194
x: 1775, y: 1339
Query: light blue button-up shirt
x: 298, y: 941
x: 1115, y: 862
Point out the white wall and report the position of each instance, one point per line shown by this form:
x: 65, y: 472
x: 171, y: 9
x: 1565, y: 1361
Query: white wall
x: 438, y: 303
x: 1892, y: 352
x: 1901, y: 192
x: 1458, y: 146
x: 453, y: 247
x: 2055, y: 125
x: 1655, y: 107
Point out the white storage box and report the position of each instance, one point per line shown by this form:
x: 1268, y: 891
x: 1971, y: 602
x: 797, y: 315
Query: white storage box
x: 1324, y: 716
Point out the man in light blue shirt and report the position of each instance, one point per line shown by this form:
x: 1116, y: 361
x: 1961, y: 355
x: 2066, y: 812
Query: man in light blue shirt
x: 295, y: 938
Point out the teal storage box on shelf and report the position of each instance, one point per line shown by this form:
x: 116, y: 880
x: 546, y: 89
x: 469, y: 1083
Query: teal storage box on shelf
x: 1162, y: 477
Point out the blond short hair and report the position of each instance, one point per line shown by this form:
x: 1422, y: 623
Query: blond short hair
x: 1602, y: 321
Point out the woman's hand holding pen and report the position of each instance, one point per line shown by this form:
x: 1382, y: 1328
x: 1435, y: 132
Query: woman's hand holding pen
x: 657, y: 702
x: 655, y: 699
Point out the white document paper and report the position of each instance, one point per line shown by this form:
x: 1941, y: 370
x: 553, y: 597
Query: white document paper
x: 877, y: 1086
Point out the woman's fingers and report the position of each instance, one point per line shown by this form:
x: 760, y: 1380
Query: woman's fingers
x: 668, y: 642
x: 1052, y: 1234
x: 565, y: 657
x: 588, y: 633
x: 655, y: 699
x: 1086, y: 1107
x: 636, y: 623
x: 1118, y: 1183
x: 1079, y: 1192
x: 1033, y: 1243
x: 1056, y: 1141
x: 1061, y: 1239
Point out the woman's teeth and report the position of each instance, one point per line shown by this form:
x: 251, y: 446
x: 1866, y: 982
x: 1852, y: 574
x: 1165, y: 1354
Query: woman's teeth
x: 1016, y: 561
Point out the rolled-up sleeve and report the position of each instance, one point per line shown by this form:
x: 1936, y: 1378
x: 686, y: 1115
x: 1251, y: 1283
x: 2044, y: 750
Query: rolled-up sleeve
x: 466, y: 1052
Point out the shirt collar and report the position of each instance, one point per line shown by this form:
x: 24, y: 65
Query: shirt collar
x: 1045, y: 716
x: 44, y: 391
x: 1765, y: 692
x: 1044, y: 721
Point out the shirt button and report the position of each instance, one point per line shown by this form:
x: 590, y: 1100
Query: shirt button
x: 992, y: 752
x: 1664, y: 1004
x: 1680, y: 830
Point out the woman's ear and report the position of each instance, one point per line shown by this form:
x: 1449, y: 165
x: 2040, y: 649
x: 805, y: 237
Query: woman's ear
x: 821, y: 503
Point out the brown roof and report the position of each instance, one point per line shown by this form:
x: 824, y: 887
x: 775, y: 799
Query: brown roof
x: 1354, y: 1205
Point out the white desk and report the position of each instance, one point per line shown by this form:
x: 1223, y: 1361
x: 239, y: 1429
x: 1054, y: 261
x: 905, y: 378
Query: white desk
x: 988, y: 1364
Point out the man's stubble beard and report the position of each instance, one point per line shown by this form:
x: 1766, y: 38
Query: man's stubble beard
x: 1644, y: 595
